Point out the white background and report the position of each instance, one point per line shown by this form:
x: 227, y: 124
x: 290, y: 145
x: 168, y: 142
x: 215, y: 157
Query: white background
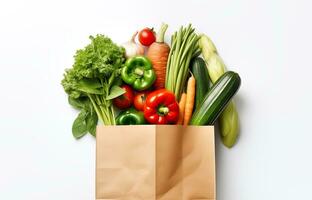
x: 268, y: 42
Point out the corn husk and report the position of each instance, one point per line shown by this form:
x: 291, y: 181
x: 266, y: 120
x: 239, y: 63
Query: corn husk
x: 229, y: 125
x: 207, y: 46
x: 216, y: 67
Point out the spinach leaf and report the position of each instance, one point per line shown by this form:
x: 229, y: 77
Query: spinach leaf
x: 115, y: 91
x: 91, y: 86
x: 79, y: 127
x: 90, y: 83
x: 88, y: 90
x: 92, y: 121
x: 79, y: 103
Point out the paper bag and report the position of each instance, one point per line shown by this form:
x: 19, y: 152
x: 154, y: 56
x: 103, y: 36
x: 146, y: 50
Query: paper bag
x: 155, y: 162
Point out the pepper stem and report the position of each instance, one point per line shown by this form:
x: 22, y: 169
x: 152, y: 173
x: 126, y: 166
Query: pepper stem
x: 163, y: 110
x: 160, y: 37
x: 139, y: 71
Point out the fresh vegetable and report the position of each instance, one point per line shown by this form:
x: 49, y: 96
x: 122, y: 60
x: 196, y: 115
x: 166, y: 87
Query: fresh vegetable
x: 216, y: 67
x: 132, y: 48
x: 147, y: 36
x: 105, y: 77
x: 86, y: 120
x: 158, y: 54
x: 161, y: 107
x: 130, y: 117
x: 228, y: 120
x: 139, y: 100
x: 207, y: 47
x: 200, y: 72
x: 138, y: 72
x: 184, y: 47
x: 229, y: 125
x: 190, y: 98
x: 181, y: 108
x: 91, y: 83
x: 216, y: 99
x: 124, y: 101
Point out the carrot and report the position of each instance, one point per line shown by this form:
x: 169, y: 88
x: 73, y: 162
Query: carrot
x: 190, y: 99
x: 158, y: 53
x: 182, y: 108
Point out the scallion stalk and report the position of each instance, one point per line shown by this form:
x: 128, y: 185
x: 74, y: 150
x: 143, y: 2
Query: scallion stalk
x: 184, y: 46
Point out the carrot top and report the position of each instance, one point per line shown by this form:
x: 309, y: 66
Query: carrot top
x: 160, y: 37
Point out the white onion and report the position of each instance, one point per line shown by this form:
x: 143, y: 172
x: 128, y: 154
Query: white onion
x: 132, y: 48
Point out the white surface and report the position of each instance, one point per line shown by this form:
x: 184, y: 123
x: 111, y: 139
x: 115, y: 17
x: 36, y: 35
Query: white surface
x: 267, y: 42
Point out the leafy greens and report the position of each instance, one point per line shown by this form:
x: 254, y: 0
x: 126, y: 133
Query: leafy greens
x: 92, y: 82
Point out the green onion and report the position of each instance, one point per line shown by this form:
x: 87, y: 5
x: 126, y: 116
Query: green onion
x: 184, y: 46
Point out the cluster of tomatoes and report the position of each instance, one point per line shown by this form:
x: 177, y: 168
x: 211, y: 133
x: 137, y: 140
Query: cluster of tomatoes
x: 129, y: 98
x: 155, y: 107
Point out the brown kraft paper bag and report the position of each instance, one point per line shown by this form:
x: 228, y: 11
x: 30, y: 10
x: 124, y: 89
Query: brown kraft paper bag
x: 155, y: 162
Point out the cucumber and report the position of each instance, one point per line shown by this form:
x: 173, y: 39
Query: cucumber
x: 216, y: 99
x: 200, y: 72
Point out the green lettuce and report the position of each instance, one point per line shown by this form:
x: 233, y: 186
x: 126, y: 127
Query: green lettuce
x: 92, y: 82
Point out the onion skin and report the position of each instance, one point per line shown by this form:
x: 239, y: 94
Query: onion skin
x: 132, y: 48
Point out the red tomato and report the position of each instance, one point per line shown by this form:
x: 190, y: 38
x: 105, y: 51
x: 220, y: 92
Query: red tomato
x: 125, y: 100
x: 139, y: 100
x: 147, y: 36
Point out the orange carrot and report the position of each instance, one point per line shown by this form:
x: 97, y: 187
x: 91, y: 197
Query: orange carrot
x: 158, y: 53
x: 190, y: 99
x: 181, y: 108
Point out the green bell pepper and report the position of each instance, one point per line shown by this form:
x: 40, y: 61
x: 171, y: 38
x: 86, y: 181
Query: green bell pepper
x: 138, y: 72
x: 130, y: 117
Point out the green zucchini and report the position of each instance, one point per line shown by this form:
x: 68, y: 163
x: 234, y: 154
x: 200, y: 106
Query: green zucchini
x: 200, y: 72
x: 216, y: 99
